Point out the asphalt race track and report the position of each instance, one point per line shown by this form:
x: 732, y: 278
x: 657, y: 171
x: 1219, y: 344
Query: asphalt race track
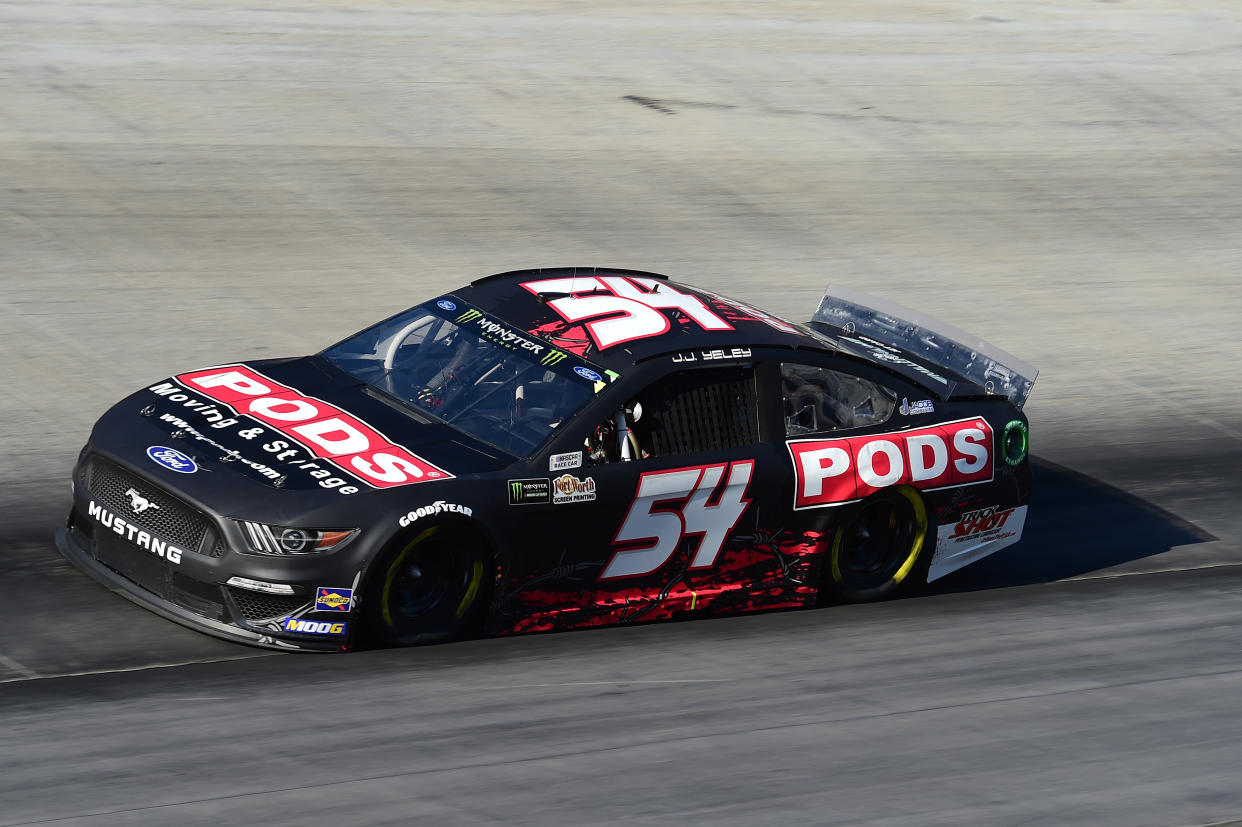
x: 190, y: 184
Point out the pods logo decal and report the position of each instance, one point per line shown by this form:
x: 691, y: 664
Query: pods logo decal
x: 328, y: 432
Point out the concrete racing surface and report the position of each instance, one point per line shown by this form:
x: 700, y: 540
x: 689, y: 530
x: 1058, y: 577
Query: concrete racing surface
x: 192, y: 184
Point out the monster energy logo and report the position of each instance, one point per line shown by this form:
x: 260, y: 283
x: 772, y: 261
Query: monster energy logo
x: 552, y: 358
x: 498, y: 333
x: 522, y: 492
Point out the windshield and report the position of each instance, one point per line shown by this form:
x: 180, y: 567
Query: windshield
x: 473, y: 372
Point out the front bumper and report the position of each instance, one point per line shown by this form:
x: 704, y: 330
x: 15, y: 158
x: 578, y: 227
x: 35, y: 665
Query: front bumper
x: 189, y: 583
x: 117, y: 583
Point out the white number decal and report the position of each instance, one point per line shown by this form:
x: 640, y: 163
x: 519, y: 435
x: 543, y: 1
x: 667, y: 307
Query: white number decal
x: 631, y: 306
x: 652, y: 536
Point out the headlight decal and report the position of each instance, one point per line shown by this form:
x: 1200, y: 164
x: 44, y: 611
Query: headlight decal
x: 290, y: 540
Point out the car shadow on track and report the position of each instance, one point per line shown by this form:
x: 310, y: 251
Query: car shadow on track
x: 1077, y: 525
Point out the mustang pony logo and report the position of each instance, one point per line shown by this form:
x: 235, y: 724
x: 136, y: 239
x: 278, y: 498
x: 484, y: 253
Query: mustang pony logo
x: 138, y: 502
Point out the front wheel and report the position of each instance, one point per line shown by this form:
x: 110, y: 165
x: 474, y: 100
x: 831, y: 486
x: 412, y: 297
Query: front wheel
x: 880, y: 547
x: 427, y: 588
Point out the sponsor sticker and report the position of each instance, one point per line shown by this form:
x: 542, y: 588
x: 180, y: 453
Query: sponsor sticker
x: 330, y: 599
x: 437, y: 507
x: 923, y: 406
x: 172, y: 459
x: 835, y: 471
x: 587, y: 373
x: 505, y: 336
x: 601, y: 384
x: 524, y: 492
x: 981, y: 521
x: 976, y: 535
x: 445, y: 304
x: 294, y: 458
x: 569, y: 489
x: 552, y: 357
x: 314, y: 627
x: 562, y: 462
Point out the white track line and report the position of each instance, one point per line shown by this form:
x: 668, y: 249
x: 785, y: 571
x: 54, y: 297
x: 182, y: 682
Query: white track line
x: 1149, y: 571
x: 32, y: 675
x: 26, y: 672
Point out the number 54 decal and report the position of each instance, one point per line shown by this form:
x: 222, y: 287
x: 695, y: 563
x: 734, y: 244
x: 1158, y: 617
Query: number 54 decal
x: 677, y: 503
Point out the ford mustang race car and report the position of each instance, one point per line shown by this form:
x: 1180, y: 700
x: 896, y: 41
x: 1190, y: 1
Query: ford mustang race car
x: 556, y: 449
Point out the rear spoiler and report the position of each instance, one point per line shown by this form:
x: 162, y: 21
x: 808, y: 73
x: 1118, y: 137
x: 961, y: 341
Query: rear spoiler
x: 889, y: 333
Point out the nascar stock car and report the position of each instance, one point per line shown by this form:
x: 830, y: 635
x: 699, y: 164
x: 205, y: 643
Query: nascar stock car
x: 556, y: 449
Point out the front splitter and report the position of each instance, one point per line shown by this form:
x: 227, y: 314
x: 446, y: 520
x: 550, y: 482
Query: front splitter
x: 114, y: 582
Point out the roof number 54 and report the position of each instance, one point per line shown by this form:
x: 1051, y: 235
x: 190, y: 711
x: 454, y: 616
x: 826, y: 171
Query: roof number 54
x: 618, y: 309
x: 677, y: 503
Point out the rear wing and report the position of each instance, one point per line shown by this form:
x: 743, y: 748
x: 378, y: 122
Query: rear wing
x: 888, y: 332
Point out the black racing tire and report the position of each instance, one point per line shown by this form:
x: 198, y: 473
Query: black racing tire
x: 428, y: 586
x: 882, y: 547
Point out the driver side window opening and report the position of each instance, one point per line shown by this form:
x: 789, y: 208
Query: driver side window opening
x: 683, y: 413
x: 818, y: 399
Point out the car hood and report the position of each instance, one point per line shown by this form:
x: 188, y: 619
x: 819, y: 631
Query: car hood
x: 285, y: 429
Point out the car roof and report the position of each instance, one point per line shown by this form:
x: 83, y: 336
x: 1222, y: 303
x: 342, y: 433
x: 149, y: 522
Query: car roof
x: 616, y: 317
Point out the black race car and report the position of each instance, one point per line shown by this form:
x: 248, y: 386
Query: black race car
x: 555, y: 449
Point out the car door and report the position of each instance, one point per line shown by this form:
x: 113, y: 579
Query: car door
x: 671, y: 507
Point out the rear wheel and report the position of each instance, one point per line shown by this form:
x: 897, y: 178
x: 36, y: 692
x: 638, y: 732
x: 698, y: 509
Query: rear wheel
x: 880, y: 548
x: 428, y: 587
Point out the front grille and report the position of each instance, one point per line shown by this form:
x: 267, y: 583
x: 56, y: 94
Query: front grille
x: 167, y: 516
x: 256, y: 606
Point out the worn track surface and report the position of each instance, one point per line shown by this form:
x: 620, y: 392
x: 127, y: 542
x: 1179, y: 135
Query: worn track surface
x: 192, y: 184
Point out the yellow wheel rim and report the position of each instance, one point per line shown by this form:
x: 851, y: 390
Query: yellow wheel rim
x: 916, y: 546
x: 395, y: 567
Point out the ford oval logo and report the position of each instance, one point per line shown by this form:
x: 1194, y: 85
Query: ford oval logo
x: 587, y: 373
x: 445, y: 304
x: 172, y: 459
